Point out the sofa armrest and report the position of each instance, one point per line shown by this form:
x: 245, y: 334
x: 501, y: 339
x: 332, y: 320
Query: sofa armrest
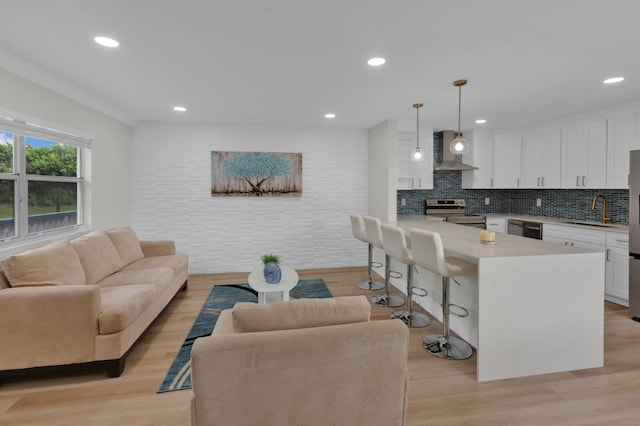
x: 48, y: 325
x: 157, y: 248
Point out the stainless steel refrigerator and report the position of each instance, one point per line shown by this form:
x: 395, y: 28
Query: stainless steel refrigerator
x: 634, y: 235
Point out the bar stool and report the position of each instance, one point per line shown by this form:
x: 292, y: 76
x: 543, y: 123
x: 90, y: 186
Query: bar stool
x: 428, y: 253
x: 372, y: 227
x: 357, y: 228
x: 395, y: 246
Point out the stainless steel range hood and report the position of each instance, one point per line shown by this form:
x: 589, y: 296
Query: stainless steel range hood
x: 449, y: 161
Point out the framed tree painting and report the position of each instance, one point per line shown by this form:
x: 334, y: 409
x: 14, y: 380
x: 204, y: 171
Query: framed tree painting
x: 256, y: 174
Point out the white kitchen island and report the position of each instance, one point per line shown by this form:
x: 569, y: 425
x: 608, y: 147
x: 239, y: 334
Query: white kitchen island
x: 535, y: 307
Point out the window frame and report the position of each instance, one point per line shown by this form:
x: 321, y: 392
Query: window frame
x: 21, y: 130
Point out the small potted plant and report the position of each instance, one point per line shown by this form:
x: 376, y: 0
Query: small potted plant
x: 272, y: 271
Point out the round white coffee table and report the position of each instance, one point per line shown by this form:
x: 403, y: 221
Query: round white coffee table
x: 273, y: 292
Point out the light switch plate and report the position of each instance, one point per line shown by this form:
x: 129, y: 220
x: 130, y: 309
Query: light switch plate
x: 403, y: 201
x: 538, y: 202
x: 487, y: 201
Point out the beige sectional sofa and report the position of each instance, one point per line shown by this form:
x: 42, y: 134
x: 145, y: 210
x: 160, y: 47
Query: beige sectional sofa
x: 311, y: 362
x: 84, y: 300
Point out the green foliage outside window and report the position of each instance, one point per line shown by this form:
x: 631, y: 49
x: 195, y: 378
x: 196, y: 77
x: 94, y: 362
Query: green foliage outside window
x: 43, y: 197
x: 6, y: 158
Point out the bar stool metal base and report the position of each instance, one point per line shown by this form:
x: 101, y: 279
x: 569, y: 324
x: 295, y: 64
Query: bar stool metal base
x: 446, y: 347
x: 389, y: 301
x: 370, y: 285
x: 412, y: 319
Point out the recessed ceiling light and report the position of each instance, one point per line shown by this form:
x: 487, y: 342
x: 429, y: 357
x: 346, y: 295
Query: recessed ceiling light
x: 613, y: 80
x: 376, y: 62
x: 481, y: 121
x: 179, y: 108
x: 106, y: 41
x: 330, y: 115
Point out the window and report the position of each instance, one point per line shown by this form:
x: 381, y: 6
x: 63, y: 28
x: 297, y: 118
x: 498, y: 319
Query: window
x: 41, y: 180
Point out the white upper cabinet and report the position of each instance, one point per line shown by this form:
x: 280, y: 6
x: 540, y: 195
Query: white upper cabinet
x: 584, y: 153
x: 622, y: 137
x: 480, y: 154
x: 541, y: 158
x: 414, y: 174
x: 498, y: 159
x: 507, y: 160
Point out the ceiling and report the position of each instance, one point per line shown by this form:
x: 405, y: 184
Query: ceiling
x: 288, y: 62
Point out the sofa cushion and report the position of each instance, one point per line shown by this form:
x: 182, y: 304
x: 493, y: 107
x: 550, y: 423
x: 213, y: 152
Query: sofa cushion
x: 300, y: 313
x: 98, y: 256
x: 159, y: 277
x: 127, y: 244
x: 4, y: 282
x: 178, y: 262
x: 123, y: 305
x: 53, y: 264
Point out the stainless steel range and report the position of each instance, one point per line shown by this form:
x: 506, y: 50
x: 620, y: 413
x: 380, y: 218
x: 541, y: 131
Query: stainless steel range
x: 454, y: 211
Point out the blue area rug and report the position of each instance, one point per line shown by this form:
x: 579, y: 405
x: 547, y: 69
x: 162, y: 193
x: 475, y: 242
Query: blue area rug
x: 224, y: 297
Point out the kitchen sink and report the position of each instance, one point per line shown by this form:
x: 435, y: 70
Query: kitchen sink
x: 594, y: 224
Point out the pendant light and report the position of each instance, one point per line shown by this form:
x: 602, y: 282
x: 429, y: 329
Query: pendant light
x: 417, y: 155
x: 459, y: 145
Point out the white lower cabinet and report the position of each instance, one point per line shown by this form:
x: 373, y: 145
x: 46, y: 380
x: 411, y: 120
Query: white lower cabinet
x: 497, y: 224
x: 616, y: 287
x: 615, y: 245
x: 574, y: 236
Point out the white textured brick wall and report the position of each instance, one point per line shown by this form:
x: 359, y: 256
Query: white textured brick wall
x: 172, y: 196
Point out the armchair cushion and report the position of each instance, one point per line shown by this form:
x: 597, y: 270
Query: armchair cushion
x: 299, y: 313
x: 53, y: 264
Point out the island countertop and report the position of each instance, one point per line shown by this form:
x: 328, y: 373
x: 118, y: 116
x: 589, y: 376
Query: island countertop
x: 465, y: 240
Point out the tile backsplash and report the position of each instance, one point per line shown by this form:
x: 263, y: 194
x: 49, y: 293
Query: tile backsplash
x: 563, y: 203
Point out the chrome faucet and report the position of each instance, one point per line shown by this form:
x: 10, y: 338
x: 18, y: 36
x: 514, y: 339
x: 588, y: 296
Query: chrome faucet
x: 605, y: 219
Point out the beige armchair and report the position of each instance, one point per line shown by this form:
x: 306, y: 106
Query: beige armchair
x: 301, y: 362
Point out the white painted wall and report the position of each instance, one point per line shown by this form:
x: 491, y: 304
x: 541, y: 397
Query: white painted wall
x: 172, y: 196
x: 383, y: 173
x: 109, y: 165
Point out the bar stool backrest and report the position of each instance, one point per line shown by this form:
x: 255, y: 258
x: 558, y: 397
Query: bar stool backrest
x: 428, y: 251
x: 357, y: 228
x: 395, y: 244
x: 374, y: 233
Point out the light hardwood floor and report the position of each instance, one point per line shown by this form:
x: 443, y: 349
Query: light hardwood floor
x: 441, y: 392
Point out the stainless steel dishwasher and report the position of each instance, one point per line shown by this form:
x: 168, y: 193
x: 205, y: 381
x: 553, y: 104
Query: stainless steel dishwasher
x: 525, y: 228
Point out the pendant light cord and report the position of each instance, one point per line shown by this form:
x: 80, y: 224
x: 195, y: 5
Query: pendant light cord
x: 417, y: 128
x: 417, y: 107
x: 459, y: 107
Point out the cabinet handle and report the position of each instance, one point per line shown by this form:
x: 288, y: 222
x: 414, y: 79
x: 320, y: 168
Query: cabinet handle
x: 566, y: 243
x: 621, y: 241
x: 412, y: 182
x: 518, y: 183
x: 420, y: 183
x: 543, y: 181
x: 572, y: 243
x: 607, y: 256
x: 583, y: 178
x: 538, y: 181
x: 577, y: 180
x: 491, y: 181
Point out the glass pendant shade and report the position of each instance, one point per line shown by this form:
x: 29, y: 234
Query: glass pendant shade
x: 417, y: 154
x: 458, y: 145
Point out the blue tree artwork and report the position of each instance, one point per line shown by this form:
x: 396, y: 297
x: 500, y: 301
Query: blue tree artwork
x: 256, y: 174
